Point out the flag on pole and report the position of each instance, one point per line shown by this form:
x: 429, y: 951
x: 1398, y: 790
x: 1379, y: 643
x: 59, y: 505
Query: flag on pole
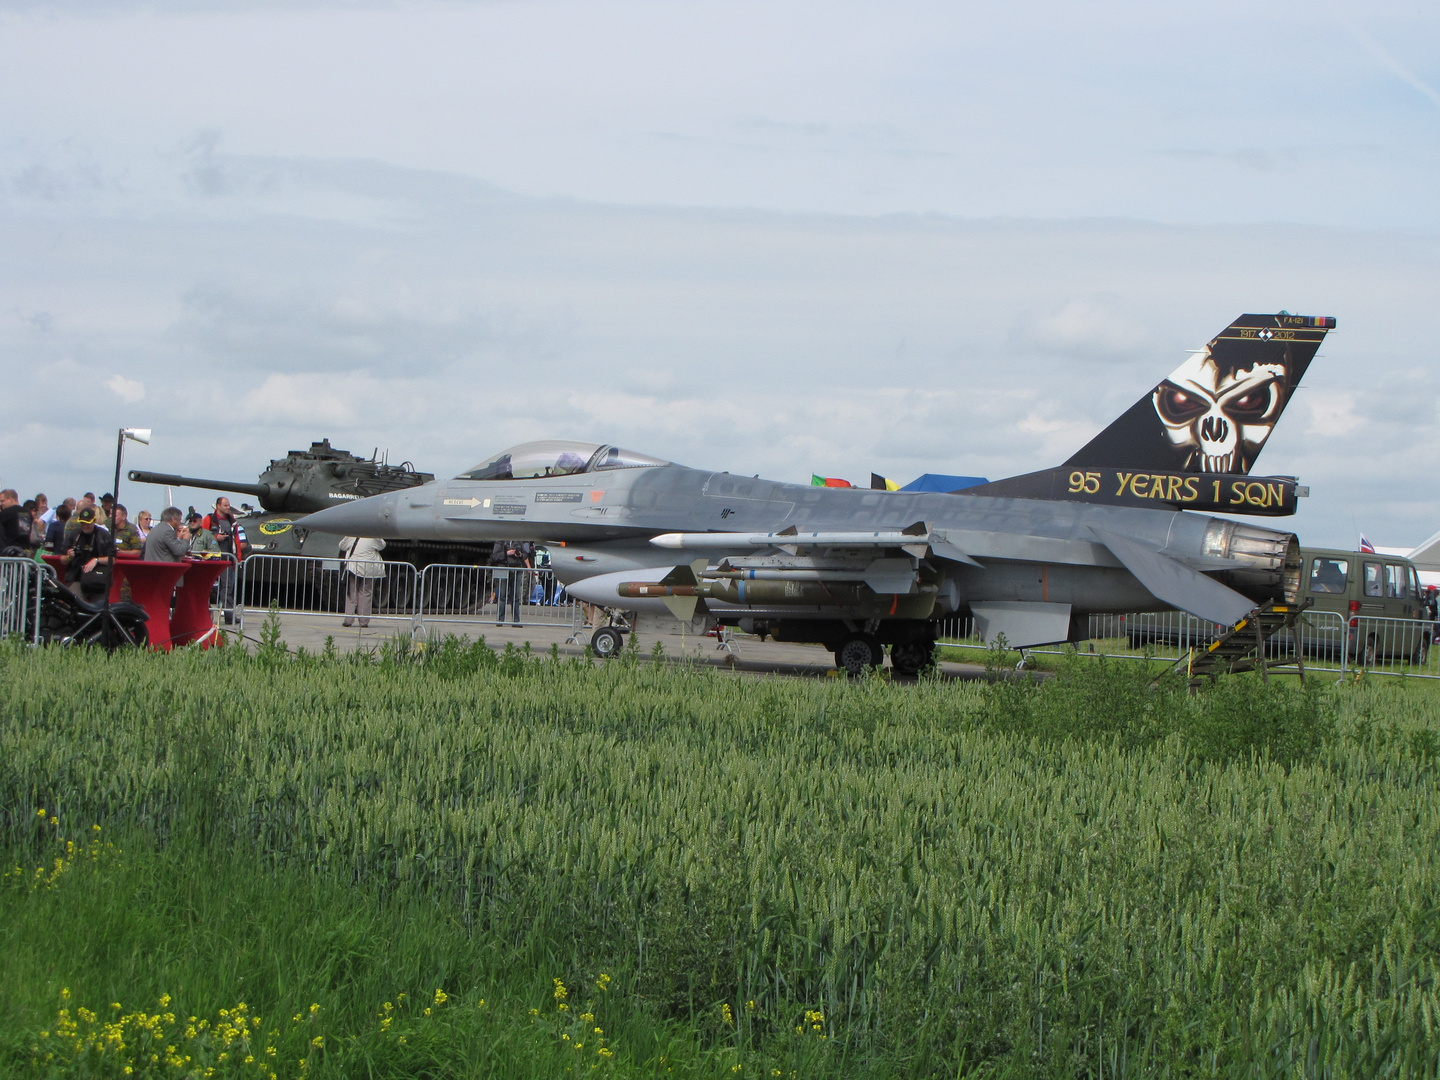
x: 1366, y: 546
x: 828, y: 481
x: 880, y: 483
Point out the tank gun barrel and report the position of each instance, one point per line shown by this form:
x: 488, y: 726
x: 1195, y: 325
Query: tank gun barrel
x: 260, y: 491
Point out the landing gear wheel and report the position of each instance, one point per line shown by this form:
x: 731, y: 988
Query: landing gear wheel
x: 912, y: 657
x: 857, y: 652
x: 606, y: 642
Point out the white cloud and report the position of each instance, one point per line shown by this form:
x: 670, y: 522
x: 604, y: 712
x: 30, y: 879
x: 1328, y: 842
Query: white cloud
x: 129, y: 390
x: 309, y: 399
x: 1088, y: 328
x: 1332, y: 413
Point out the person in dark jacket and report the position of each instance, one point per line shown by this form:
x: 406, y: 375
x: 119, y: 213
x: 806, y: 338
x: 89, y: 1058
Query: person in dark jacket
x: 511, y: 559
x: 89, y: 556
x: 14, y: 524
x: 55, y: 533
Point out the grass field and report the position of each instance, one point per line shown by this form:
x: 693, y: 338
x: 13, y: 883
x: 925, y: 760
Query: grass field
x: 460, y: 864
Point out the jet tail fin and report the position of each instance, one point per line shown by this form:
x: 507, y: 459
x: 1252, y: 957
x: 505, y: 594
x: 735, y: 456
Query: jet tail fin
x: 1214, y: 412
x: 1190, y: 442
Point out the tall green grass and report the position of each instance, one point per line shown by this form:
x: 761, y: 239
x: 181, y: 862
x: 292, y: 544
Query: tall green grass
x: 1081, y: 877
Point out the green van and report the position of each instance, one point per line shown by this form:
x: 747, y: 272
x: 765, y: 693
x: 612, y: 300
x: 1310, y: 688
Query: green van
x: 1368, y: 590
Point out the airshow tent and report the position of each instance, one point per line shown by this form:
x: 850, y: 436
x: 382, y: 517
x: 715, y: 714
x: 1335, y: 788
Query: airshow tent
x: 941, y: 482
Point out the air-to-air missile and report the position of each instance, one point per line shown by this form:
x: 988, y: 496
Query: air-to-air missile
x: 1124, y: 525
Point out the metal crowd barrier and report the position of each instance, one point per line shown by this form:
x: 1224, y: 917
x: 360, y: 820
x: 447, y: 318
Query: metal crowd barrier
x: 1392, y: 646
x: 307, y: 585
x: 20, y: 598
x: 452, y: 593
x: 439, y: 594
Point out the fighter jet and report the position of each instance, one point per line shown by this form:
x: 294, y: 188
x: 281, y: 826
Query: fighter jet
x: 1115, y: 529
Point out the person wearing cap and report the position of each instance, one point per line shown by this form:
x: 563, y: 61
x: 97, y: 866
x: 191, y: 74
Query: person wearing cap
x: 170, y: 540
x: 105, y: 515
x: 202, y: 540
x: 89, y: 555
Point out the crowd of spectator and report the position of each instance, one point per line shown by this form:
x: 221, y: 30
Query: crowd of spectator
x: 86, y: 534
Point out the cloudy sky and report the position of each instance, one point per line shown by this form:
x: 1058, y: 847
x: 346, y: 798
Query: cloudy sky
x: 768, y: 237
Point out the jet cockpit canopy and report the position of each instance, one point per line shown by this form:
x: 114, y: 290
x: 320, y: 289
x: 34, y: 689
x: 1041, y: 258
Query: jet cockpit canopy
x: 557, y: 457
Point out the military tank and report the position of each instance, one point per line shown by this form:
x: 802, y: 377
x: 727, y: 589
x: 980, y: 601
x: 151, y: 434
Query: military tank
x: 304, y: 481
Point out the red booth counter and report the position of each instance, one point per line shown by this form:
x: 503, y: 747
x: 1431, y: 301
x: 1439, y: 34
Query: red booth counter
x: 151, y: 586
x: 191, y: 622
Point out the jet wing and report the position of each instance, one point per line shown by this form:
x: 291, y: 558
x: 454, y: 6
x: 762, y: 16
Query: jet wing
x: 1177, y: 584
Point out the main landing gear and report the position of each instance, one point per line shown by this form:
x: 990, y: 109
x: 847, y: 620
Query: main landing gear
x: 912, y: 657
x: 860, y: 651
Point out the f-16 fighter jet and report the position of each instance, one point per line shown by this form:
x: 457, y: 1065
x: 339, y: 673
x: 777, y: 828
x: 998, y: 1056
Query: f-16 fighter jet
x: 1030, y: 557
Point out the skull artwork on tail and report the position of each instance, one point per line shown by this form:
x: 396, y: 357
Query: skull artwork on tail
x: 1218, y: 417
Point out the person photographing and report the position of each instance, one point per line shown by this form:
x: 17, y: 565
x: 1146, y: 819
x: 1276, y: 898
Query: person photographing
x: 90, y: 554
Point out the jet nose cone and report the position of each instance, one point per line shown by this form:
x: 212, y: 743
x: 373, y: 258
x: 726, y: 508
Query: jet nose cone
x: 376, y: 516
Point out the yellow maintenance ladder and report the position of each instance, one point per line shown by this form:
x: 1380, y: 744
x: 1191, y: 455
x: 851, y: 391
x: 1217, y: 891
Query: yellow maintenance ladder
x: 1242, y: 647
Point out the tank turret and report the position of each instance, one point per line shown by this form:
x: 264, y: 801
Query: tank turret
x: 305, y: 481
